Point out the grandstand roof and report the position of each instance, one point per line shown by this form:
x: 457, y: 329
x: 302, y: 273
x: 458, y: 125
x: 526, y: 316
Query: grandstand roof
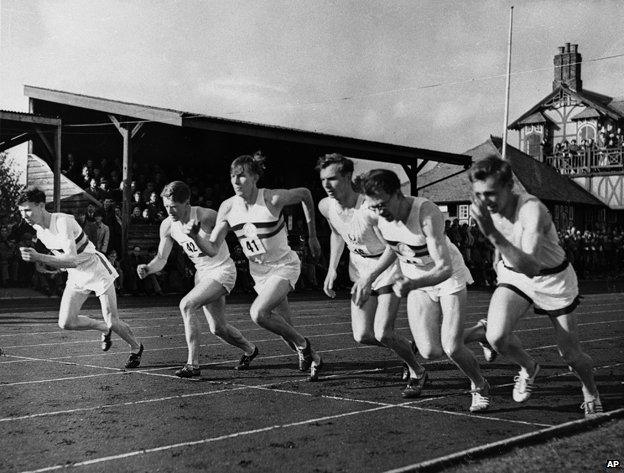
x: 357, y: 148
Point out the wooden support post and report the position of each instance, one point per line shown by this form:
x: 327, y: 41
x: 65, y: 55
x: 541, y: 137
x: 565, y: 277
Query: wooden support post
x: 57, y: 169
x: 412, y: 174
x: 127, y: 133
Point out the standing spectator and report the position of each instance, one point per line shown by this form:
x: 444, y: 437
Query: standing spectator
x: 102, y: 232
x: 89, y: 227
x: 112, y: 258
x: 135, y: 216
x: 105, y: 191
x: 7, y: 253
x: 71, y: 169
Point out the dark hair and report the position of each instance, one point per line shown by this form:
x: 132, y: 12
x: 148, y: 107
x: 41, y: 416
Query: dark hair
x: 99, y: 212
x: 177, y: 191
x: 491, y: 166
x: 253, y: 164
x: 346, y: 165
x: 378, y: 180
x: 31, y: 194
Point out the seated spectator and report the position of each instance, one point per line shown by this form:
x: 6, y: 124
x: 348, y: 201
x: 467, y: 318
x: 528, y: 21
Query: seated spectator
x: 93, y: 190
x: 154, y: 203
x: 146, y: 215
x: 137, y: 200
x: 85, y: 177
x: 135, y: 216
x: 149, y: 188
x: 105, y: 192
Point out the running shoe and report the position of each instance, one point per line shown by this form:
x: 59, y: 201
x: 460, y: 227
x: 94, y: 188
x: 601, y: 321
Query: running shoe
x: 188, y: 371
x: 480, y: 398
x: 245, y: 361
x: 315, y: 367
x: 134, y: 360
x: 405, y: 375
x: 525, y: 385
x: 414, y: 386
x: 106, y: 340
x: 305, y: 356
x: 488, y: 352
x: 592, y: 408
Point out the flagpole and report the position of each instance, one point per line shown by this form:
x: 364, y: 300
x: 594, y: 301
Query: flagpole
x: 506, y: 120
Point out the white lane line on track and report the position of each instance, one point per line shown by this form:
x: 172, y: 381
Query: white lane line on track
x: 120, y: 404
x: 259, y: 329
x: 207, y: 440
x: 68, y: 378
x: 474, y: 309
x: 546, y: 433
x: 183, y: 347
x: 236, y: 322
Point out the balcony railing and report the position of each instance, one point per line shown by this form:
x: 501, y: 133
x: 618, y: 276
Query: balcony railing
x: 589, y: 162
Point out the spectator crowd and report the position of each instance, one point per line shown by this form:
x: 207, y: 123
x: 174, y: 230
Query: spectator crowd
x: 594, y: 254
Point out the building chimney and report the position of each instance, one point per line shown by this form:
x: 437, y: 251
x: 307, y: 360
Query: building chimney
x: 568, y: 67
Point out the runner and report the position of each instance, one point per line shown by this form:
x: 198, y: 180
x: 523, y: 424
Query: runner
x: 532, y: 270
x: 87, y: 271
x: 255, y: 216
x: 351, y: 223
x: 434, y: 276
x: 215, y: 277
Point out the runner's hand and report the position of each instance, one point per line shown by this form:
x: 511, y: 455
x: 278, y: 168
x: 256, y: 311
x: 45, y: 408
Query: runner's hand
x: 480, y: 213
x: 142, y: 271
x: 360, y: 292
x: 328, y: 285
x: 28, y: 254
x: 402, y: 286
x: 315, y: 247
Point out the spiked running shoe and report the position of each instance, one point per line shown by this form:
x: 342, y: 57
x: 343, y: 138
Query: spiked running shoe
x: 134, y: 360
x: 480, y: 398
x: 414, y: 387
x: 245, y: 361
x: 488, y: 352
x: 305, y: 356
x: 592, y: 408
x: 315, y: 367
x: 188, y: 371
x: 106, y: 340
x: 405, y: 375
x: 525, y: 385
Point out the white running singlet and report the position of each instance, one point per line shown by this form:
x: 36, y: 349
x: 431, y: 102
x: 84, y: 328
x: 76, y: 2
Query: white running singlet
x: 199, y: 259
x: 262, y: 235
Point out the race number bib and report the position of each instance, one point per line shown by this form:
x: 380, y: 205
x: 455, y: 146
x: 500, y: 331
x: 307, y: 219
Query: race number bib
x: 252, y: 245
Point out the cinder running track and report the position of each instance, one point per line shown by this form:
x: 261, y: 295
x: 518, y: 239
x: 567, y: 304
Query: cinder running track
x: 66, y: 404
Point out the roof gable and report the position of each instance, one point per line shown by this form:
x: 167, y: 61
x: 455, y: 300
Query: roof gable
x: 530, y: 176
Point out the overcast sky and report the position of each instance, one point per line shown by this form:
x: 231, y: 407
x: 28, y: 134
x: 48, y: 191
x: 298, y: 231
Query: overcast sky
x: 421, y: 73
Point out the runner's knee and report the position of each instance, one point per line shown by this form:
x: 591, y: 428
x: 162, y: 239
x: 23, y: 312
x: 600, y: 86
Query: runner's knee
x: 498, y: 341
x: 451, y: 348
x: 259, y: 315
x: 364, y: 338
x: 187, y: 306
x: 431, y: 352
x: 385, y: 337
x: 219, y: 330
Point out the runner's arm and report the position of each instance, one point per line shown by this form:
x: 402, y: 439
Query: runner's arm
x: 534, y: 218
x: 219, y: 231
x: 280, y: 198
x: 164, y: 249
x: 69, y: 257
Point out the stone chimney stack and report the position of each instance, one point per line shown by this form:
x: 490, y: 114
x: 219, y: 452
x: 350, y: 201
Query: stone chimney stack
x: 568, y: 67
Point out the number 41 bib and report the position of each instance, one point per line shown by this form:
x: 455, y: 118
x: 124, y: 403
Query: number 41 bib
x: 251, y: 244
